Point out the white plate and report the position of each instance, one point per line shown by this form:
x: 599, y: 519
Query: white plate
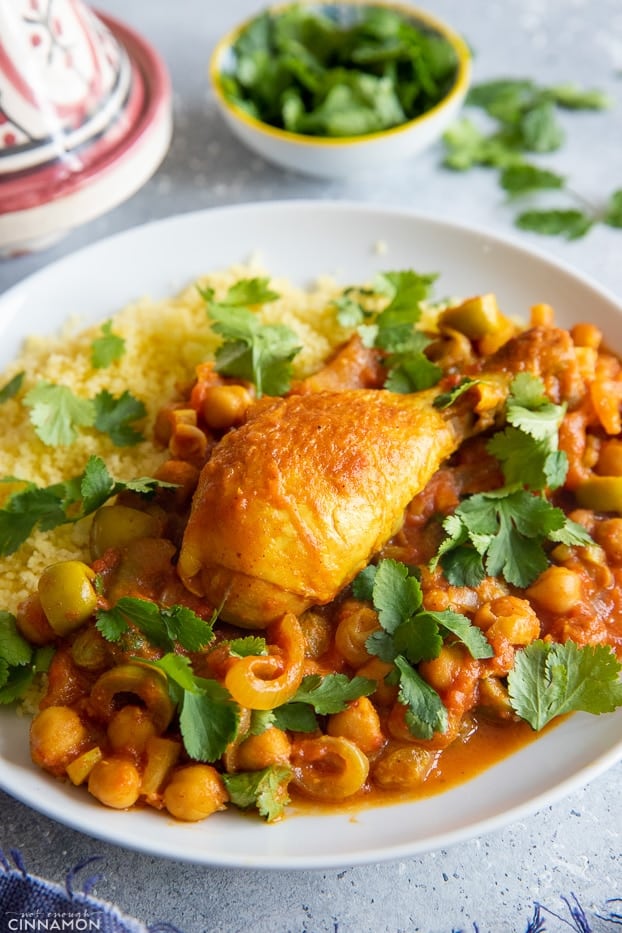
x: 302, y: 240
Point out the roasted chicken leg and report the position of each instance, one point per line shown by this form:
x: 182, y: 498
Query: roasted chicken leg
x: 293, y: 504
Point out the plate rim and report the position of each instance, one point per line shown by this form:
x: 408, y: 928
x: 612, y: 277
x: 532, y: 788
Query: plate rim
x: 390, y: 851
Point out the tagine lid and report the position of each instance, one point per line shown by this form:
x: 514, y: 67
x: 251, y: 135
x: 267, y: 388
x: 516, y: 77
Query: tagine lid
x: 85, y: 116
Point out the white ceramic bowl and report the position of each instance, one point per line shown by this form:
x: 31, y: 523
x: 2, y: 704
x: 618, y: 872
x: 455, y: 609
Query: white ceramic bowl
x: 332, y: 157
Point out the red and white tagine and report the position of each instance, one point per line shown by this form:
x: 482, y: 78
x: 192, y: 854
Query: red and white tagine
x: 85, y: 118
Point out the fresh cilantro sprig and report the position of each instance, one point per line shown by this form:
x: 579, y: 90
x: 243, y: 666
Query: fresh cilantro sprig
x: 12, y: 387
x: 259, y: 353
x: 19, y: 660
x: 266, y: 790
x: 107, y: 348
x: 208, y: 716
x: 525, y: 121
x: 392, y: 330
x: 503, y: 532
x: 248, y: 646
x: 550, y: 679
x: 164, y: 627
x: 445, y: 399
x: 57, y: 414
x: 319, y: 696
x: 48, y: 507
x: 528, y: 448
x: 410, y: 634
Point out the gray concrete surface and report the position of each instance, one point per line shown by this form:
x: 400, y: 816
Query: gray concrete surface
x: 570, y: 850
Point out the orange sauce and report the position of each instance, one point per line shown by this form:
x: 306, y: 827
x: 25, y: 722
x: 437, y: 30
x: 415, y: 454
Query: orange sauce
x: 487, y: 744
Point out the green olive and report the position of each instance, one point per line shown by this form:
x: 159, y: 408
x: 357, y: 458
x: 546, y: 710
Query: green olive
x: 475, y: 317
x: 67, y: 595
x: 601, y: 493
x: 90, y: 650
x: 146, y: 683
x: 116, y: 525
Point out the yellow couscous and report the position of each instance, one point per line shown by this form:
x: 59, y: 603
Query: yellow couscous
x: 164, y: 341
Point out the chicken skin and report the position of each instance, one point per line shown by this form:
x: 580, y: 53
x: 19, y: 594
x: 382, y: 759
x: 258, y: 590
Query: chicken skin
x: 293, y: 504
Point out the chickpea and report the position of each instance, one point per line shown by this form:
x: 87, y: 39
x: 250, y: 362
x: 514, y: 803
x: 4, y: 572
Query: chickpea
x: 441, y: 672
x: 183, y: 475
x: 610, y: 458
x: 609, y: 535
x: 542, y: 315
x: 558, y: 590
x: 398, y: 729
x: 67, y: 595
x: 359, y: 723
x: 195, y: 792
x: 271, y: 747
x: 188, y: 443
x: 226, y: 405
x: 130, y: 729
x: 356, y: 622
x: 375, y: 669
x: 57, y: 736
x: 510, y: 618
x: 403, y: 768
x: 586, y: 335
x: 115, y: 782
x: 116, y: 525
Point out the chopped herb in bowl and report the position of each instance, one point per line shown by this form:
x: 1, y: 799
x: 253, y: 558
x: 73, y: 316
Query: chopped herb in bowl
x: 338, y: 73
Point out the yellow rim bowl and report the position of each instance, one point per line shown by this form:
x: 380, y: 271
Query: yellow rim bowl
x: 456, y: 94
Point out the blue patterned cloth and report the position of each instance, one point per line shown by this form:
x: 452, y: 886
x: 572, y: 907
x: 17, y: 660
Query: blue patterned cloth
x: 30, y: 903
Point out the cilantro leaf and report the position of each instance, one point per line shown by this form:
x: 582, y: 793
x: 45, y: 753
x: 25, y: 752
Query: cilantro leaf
x: 62, y: 503
x: 244, y: 292
x: 164, y: 627
x: 24, y: 511
x: 527, y: 461
x: 575, y: 98
x: 418, y: 639
x: 396, y: 595
x: 467, y: 146
x: 570, y: 223
x: 522, y: 178
x: 445, y: 399
x: 259, y: 353
x: 208, y: 720
x: 406, y: 289
x: 295, y: 717
x: 613, y: 211
x: 56, y: 412
x: 539, y: 128
x: 250, y: 645
x: 266, y: 790
x: 461, y: 628
x: 106, y: 349
x: 208, y: 716
x: 14, y: 649
x: 551, y: 679
x: 114, y: 416
x: 12, y: 387
x: 331, y: 693
x: 19, y: 662
x: 425, y: 712
x: 350, y: 313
